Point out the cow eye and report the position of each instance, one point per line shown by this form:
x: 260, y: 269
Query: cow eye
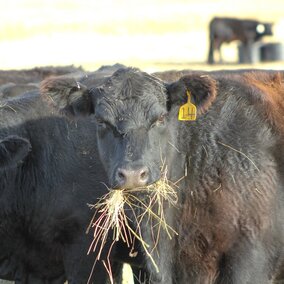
x: 159, y: 121
x: 100, y: 122
x: 161, y: 118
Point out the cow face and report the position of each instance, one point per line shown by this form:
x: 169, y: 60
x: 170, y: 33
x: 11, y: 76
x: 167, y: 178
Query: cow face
x: 132, y: 131
x: 136, y: 116
x: 13, y: 149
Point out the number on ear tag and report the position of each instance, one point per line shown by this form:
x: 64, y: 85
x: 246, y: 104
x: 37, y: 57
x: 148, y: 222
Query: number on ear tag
x: 188, y: 110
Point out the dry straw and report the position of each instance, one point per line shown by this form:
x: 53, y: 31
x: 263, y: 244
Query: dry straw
x: 145, y: 204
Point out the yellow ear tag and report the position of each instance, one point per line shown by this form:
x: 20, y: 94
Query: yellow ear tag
x: 188, y: 110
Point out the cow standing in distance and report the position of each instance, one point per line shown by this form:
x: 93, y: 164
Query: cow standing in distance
x: 230, y: 213
x: 226, y: 30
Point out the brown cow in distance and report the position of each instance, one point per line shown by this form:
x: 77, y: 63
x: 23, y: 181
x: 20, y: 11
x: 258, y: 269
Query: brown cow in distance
x: 226, y: 30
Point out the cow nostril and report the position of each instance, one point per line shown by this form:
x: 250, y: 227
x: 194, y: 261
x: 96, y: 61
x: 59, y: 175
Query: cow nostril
x: 121, y: 175
x: 130, y: 178
x: 144, y: 174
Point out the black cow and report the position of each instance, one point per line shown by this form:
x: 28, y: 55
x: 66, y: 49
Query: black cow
x: 18, y: 82
x: 43, y: 154
x: 226, y: 30
x: 10, y: 90
x: 49, y: 172
x: 35, y: 75
x: 230, y: 212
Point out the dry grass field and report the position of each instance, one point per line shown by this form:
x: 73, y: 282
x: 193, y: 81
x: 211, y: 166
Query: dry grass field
x: 153, y: 35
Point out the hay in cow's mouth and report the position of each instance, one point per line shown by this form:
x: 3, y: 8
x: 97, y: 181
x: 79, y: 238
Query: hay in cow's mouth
x: 111, y: 218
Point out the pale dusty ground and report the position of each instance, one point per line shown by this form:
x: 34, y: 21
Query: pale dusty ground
x: 150, y: 34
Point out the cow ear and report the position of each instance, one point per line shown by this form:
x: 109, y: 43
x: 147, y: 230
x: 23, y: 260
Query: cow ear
x: 203, y: 89
x: 67, y: 95
x: 13, y: 149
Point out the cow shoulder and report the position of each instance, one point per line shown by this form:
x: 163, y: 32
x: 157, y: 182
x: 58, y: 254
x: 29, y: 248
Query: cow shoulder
x: 202, y: 87
x: 268, y: 88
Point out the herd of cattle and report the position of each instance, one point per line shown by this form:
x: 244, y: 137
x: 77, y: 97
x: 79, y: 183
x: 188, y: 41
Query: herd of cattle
x: 65, y: 139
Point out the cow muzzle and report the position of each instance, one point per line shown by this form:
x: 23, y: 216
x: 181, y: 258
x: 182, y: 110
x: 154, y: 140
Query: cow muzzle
x: 131, y: 178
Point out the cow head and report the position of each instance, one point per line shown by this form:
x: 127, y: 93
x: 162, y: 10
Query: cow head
x: 264, y: 29
x: 13, y: 149
x: 136, y: 115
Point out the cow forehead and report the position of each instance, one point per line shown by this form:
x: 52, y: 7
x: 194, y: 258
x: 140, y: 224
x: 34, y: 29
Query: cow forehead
x: 132, y: 95
x: 131, y: 83
x: 131, y: 112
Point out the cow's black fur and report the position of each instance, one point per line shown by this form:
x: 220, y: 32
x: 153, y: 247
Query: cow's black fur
x: 24, y: 114
x: 230, y: 211
x: 10, y: 90
x: 226, y: 30
x: 36, y: 74
x: 49, y: 171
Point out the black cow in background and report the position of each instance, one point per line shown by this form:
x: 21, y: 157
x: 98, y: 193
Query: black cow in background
x: 35, y: 75
x: 226, y: 30
x: 230, y: 212
x: 49, y: 171
x: 15, y: 83
x: 10, y: 90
